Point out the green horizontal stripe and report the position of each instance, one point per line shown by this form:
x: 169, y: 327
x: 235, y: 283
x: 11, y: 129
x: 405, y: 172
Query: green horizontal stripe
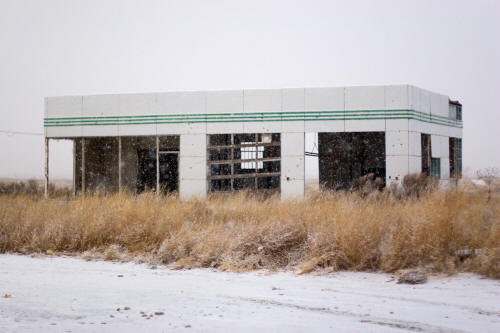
x: 251, y: 117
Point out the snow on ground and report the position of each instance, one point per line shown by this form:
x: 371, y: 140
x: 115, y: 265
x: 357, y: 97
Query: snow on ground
x: 57, y: 294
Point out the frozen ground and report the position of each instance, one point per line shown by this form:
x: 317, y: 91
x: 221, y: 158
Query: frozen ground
x: 54, y: 294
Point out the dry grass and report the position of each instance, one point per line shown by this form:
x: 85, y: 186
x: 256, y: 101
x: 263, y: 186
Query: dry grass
x: 442, y: 230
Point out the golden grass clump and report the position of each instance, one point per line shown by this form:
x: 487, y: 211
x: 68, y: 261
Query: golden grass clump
x: 438, y: 230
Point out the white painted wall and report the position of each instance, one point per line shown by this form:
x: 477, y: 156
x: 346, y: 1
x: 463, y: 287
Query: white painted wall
x: 292, y: 165
x: 193, y: 166
x: 402, y: 135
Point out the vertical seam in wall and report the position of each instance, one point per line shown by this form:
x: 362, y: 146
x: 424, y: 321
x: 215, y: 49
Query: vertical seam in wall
x: 408, y: 127
x: 156, y: 122
x: 344, y: 107
x: 385, y: 108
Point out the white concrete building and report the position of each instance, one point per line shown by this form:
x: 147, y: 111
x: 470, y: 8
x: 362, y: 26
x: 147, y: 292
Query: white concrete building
x: 209, y: 141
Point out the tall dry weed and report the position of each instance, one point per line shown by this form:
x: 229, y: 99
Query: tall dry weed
x: 441, y: 230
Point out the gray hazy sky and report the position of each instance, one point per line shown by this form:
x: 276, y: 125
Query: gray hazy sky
x: 64, y: 47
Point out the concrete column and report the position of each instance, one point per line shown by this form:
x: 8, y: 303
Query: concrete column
x: 193, y: 166
x: 46, y: 187
x: 396, y: 156
x: 292, y: 165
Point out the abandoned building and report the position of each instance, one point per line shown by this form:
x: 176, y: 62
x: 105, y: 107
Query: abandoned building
x: 196, y: 143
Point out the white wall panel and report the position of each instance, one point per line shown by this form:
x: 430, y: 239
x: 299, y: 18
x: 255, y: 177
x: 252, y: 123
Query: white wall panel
x: 292, y: 144
x: 439, y: 146
x: 415, y: 164
x: 396, y: 143
x: 455, y: 132
x: 66, y: 106
x: 129, y: 130
x: 294, y: 99
x: 324, y: 99
x: 173, y: 129
x: 192, y: 188
x: 292, y: 167
x: 396, y: 168
x: 362, y: 125
x: 292, y: 189
x: 445, y: 146
x: 324, y: 126
x: 365, y: 98
x: 192, y: 168
x: 63, y: 132
x: 439, y: 104
x: 262, y: 127
x: 415, y: 144
x: 224, y: 101
x: 190, y: 102
x: 420, y: 99
x: 136, y: 104
x: 193, y: 145
x: 225, y: 128
x: 100, y: 130
x: 396, y: 97
x: 101, y: 105
x: 418, y: 126
x: 445, y: 168
x: 262, y: 100
x: 397, y: 124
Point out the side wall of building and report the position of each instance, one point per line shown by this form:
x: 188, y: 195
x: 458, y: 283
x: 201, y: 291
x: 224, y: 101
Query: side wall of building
x: 403, y: 112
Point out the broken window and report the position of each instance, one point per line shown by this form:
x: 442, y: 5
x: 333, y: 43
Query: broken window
x: 455, y: 110
x: 244, y: 161
x: 425, y: 141
x: 345, y: 157
x: 455, y: 145
x: 436, y: 168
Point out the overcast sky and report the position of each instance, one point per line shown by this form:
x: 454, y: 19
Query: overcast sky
x: 64, y: 47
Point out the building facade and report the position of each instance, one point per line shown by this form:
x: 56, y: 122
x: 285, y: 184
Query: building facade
x: 202, y: 142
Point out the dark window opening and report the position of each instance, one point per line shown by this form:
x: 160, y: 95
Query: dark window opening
x: 425, y: 141
x: 244, y: 161
x: 169, y: 170
x: 436, y: 168
x: 345, y: 157
x: 455, y: 145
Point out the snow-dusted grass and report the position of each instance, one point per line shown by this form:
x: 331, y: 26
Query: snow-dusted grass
x: 58, y: 294
x: 441, y: 231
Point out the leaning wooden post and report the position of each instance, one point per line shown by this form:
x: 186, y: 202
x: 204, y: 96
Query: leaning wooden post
x: 46, y: 187
x: 157, y: 165
x: 83, y: 165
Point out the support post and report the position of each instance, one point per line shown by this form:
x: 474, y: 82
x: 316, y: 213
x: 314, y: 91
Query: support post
x: 119, y: 164
x: 74, y: 167
x: 46, y: 187
x: 83, y: 165
x: 157, y: 165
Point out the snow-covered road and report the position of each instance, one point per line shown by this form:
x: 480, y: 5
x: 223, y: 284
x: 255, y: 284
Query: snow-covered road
x: 54, y: 294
